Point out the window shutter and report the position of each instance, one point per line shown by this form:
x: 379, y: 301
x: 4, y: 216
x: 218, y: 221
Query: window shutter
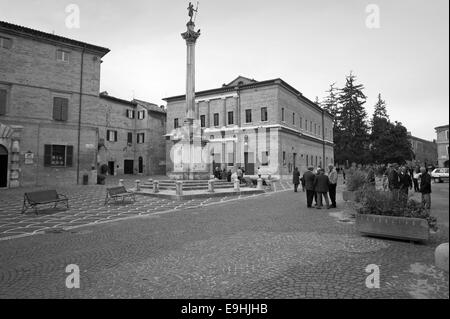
x: 69, y: 156
x: 56, y: 109
x: 2, y: 102
x: 64, y: 109
x: 115, y: 136
x: 47, y: 155
x: 133, y: 114
x: 130, y: 138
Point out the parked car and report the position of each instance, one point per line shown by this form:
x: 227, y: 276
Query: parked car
x: 440, y: 175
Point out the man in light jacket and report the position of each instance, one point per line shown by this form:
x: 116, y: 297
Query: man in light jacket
x: 333, y: 177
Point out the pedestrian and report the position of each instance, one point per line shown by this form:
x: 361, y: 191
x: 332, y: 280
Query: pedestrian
x: 416, y: 176
x: 296, y: 179
x: 229, y: 176
x: 302, y: 181
x: 371, y: 177
x: 321, y: 188
x: 425, y: 188
x: 405, y: 184
x: 309, y: 179
x: 258, y: 171
x: 333, y: 178
x: 394, y: 182
x: 239, y: 174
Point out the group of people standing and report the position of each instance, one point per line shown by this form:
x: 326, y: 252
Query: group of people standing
x: 318, y: 184
x: 399, y: 180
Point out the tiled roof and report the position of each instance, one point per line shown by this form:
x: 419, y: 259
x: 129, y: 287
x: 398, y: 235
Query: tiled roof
x: 6, y: 26
x: 106, y: 96
x: 150, y: 106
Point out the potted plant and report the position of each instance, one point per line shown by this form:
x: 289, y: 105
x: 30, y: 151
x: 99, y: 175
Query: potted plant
x: 354, y: 183
x: 382, y: 214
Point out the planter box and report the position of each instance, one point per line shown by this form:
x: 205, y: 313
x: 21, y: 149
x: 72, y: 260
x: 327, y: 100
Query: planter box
x: 412, y: 229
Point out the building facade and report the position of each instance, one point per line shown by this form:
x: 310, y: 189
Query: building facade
x: 442, y: 145
x: 131, y: 136
x: 424, y: 152
x: 53, y: 123
x: 251, y: 124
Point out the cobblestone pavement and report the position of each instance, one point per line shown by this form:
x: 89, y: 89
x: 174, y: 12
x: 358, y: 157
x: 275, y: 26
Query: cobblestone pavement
x: 87, y: 207
x: 268, y: 246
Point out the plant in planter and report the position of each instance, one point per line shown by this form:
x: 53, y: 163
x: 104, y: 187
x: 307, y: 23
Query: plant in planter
x: 354, y: 182
x: 382, y: 214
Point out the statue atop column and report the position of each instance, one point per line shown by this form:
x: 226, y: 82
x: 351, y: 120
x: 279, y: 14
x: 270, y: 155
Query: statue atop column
x: 191, y: 35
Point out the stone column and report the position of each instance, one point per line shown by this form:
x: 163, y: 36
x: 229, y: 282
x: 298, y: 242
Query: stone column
x: 191, y: 37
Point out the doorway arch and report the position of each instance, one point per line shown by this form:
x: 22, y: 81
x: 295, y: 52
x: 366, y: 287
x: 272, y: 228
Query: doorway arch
x: 3, y: 167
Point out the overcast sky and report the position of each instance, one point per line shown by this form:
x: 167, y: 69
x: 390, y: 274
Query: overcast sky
x: 309, y: 44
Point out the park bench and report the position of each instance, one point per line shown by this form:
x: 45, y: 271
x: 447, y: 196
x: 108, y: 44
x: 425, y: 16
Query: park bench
x: 33, y: 199
x: 118, y: 192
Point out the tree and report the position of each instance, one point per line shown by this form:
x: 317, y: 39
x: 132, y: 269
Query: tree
x: 380, y: 110
x: 391, y: 144
x: 331, y: 103
x: 352, y: 131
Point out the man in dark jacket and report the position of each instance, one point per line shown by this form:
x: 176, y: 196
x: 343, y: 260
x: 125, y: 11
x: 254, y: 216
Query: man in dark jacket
x: 405, y: 182
x: 296, y: 179
x: 309, y: 179
x: 321, y: 187
x: 394, y: 181
x: 425, y: 188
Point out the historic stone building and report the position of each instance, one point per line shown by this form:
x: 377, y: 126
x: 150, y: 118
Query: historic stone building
x: 52, y: 120
x: 442, y: 145
x: 131, y: 136
x: 251, y: 124
x: 424, y: 152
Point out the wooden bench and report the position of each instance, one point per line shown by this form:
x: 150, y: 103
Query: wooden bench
x: 118, y: 192
x: 33, y: 199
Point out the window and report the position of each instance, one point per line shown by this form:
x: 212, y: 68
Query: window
x: 307, y: 160
x: 211, y: 137
x: 130, y: 114
x: 265, y: 158
x: 310, y: 126
x: 319, y: 131
x: 111, y: 136
x: 175, y: 123
x: 284, y: 158
x: 230, y: 159
x: 293, y: 118
x: 326, y: 132
x: 315, y: 128
x: 141, y: 115
x: 202, y: 120
x: 130, y: 138
x: 282, y: 114
x: 301, y: 123
x: 248, y: 116
x: 230, y: 118
x: 5, y: 43
x: 3, y: 94
x: 58, y: 155
x: 62, y: 55
x: 141, y: 138
x: 216, y: 119
x: 60, y: 109
x: 306, y: 125
x: 264, y: 114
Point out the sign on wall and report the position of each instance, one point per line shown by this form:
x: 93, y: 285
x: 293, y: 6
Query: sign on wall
x: 29, y: 158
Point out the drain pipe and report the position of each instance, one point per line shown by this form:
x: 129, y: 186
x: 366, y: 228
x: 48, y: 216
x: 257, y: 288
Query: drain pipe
x: 79, y: 115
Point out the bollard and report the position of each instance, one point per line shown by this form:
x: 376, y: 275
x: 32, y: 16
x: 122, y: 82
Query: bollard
x: 237, y: 185
x: 259, y: 184
x: 156, y: 187
x: 441, y: 257
x: 179, y: 187
x: 138, y: 185
x: 211, y: 186
x: 120, y: 182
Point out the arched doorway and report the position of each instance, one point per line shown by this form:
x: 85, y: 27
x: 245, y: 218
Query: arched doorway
x: 3, y: 166
x: 141, y: 165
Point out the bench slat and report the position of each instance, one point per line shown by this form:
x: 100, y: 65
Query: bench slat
x: 42, y: 196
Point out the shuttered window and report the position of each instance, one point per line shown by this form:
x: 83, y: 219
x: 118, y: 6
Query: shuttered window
x: 2, y: 102
x: 5, y: 43
x: 130, y: 138
x: 58, y: 156
x: 111, y: 136
x: 60, y: 109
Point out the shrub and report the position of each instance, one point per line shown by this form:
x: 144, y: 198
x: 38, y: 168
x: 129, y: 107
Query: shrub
x: 384, y: 203
x: 355, y: 180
